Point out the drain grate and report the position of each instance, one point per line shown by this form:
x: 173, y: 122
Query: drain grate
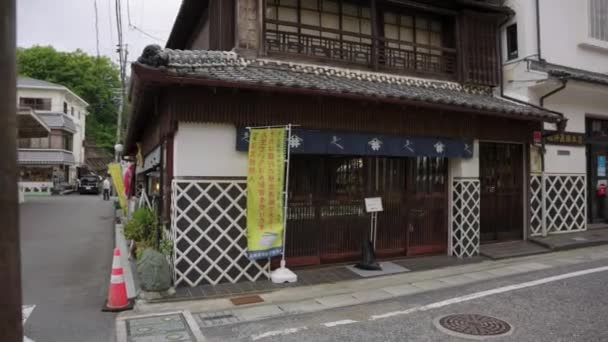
x: 474, y: 325
x: 212, y: 319
x: 215, y: 318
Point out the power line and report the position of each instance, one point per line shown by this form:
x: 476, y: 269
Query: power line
x: 96, y: 27
x: 133, y: 27
x: 110, y: 22
x: 129, y: 13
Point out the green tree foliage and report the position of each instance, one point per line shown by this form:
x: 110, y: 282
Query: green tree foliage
x: 95, y: 79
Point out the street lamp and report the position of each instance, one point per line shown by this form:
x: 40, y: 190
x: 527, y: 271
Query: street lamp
x: 118, y: 149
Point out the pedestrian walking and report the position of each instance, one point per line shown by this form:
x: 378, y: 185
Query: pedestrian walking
x: 106, y: 189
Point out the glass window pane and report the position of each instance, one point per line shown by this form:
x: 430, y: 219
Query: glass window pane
x: 310, y: 4
x: 435, y: 39
x: 407, y: 20
x: 406, y: 35
x: 435, y: 26
x: 422, y: 37
x: 293, y: 3
x: 390, y: 18
x: 365, y: 12
x: 288, y: 14
x: 350, y: 24
x: 271, y: 13
x: 331, y: 21
x: 366, y: 27
x: 421, y: 23
x: 310, y: 18
x: 391, y: 31
x: 330, y: 6
x: 350, y: 9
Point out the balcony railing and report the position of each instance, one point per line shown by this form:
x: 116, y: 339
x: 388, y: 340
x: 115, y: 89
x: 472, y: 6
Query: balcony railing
x: 380, y: 53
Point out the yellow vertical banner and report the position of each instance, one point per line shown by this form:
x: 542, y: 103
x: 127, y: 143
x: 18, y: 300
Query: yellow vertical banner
x: 265, y: 176
x: 116, y: 172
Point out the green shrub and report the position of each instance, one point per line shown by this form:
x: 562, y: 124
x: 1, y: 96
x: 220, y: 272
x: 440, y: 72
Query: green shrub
x: 141, y: 226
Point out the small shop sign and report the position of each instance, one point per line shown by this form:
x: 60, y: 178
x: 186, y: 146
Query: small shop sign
x: 373, y: 204
x: 538, y: 137
x: 565, y: 138
x: 601, y: 166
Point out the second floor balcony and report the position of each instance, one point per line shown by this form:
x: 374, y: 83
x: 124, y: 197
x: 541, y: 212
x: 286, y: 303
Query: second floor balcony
x: 380, y: 35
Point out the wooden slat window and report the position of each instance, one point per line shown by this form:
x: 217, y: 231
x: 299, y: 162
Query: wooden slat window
x: 598, y: 19
x: 342, y: 30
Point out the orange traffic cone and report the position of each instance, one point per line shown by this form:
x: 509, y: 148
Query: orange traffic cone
x: 117, y: 294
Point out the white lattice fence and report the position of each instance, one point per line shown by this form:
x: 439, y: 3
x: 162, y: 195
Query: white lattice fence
x: 565, y: 203
x: 208, y: 230
x: 465, y: 217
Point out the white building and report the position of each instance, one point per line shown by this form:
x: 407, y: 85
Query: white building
x: 54, y: 159
x: 555, y: 55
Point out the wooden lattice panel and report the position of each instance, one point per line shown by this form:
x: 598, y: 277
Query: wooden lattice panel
x: 208, y: 227
x: 465, y: 222
x: 565, y: 203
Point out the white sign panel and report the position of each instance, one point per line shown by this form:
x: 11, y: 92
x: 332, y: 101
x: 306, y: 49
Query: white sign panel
x: 373, y: 204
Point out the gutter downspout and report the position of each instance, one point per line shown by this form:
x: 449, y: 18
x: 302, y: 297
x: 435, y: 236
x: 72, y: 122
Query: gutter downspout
x: 543, y: 175
x: 538, y: 41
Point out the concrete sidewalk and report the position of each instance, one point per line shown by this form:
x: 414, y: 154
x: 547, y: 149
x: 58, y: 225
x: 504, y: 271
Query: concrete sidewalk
x: 314, y: 298
x: 562, y: 242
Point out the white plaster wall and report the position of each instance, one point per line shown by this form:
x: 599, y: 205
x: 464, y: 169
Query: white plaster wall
x: 207, y: 150
x: 577, y: 102
x: 466, y: 168
x: 564, y: 34
x: 564, y: 30
x: 526, y: 28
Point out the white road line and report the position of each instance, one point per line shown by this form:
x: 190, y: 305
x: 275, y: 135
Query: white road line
x: 486, y: 293
x: 336, y: 323
x: 26, y: 312
x: 277, y: 333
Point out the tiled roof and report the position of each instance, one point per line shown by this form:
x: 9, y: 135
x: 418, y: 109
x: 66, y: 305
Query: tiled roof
x: 25, y: 82
x: 58, y: 121
x: 45, y: 157
x: 230, y: 67
x: 569, y: 73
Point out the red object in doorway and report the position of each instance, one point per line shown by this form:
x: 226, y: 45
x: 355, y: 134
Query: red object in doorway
x: 538, y: 137
x: 601, y: 190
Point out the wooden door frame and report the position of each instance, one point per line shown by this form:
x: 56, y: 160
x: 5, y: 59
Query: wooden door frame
x: 525, y: 183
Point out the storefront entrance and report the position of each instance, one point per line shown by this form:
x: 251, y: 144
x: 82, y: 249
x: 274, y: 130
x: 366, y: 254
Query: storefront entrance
x: 501, y: 177
x: 327, y: 220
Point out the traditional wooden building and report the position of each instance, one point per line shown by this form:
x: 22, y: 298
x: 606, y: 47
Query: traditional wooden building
x: 393, y: 99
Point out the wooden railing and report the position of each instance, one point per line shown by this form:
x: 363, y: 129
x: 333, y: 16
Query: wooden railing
x: 364, y: 50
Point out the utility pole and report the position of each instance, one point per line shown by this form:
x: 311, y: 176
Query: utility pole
x: 11, y: 327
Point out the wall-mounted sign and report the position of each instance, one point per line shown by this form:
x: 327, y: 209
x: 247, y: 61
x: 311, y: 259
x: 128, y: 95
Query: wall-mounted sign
x: 566, y: 138
x: 601, y: 166
x: 373, y: 204
x: 304, y: 141
x: 151, y: 160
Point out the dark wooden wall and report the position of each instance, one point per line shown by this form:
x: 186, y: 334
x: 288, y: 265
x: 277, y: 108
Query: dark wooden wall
x: 221, y: 24
x: 245, y: 108
x: 477, y: 53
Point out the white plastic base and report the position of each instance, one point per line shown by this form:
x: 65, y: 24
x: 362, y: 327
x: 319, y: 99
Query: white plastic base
x: 283, y: 275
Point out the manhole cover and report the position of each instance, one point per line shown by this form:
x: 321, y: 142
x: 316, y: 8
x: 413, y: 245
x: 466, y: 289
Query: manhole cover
x: 473, y: 326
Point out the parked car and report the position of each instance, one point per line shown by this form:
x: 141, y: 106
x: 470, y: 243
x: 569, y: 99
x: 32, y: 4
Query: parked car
x: 89, y: 185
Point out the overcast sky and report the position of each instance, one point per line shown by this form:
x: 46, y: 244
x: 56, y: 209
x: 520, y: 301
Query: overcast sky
x: 70, y: 24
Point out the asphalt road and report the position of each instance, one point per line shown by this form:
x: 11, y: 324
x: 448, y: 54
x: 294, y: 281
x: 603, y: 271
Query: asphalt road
x: 572, y: 309
x: 66, y: 249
